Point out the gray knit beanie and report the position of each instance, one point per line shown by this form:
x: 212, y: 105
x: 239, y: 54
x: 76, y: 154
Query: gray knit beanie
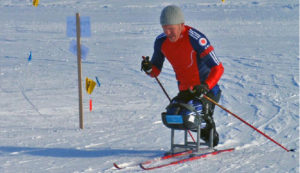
x: 171, y: 15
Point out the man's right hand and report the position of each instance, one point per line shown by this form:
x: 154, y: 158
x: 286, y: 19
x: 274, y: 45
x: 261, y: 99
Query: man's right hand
x: 146, y: 65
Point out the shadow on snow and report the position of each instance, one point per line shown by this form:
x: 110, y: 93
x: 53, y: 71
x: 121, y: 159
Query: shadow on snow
x: 72, y: 152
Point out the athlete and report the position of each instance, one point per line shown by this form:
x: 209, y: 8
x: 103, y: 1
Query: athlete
x: 194, y: 62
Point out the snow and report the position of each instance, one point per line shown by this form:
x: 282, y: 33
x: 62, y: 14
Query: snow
x: 257, y: 41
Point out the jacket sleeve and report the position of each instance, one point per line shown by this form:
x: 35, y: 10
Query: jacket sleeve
x: 214, y: 76
x: 207, y: 55
x: 215, y: 66
x: 158, y: 57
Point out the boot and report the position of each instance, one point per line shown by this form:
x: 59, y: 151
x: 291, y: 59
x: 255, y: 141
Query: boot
x: 205, y: 133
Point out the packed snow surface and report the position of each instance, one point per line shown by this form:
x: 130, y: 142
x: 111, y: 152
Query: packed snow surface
x: 257, y: 42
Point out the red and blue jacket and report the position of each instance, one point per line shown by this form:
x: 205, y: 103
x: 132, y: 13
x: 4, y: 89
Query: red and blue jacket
x: 192, y: 58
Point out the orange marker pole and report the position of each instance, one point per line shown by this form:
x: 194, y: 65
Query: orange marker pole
x: 91, y: 105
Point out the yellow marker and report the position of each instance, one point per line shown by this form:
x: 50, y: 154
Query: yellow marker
x: 223, y: 0
x: 35, y: 3
x: 89, y: 85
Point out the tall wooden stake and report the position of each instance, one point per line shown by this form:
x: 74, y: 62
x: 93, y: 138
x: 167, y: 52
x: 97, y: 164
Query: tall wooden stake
x: 79, y: 71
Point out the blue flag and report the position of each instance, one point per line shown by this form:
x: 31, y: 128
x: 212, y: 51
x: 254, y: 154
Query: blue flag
x: 98, y: 81
x: 30, y: 57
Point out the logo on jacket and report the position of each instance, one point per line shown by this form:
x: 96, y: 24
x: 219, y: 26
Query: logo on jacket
x: 202, y: 41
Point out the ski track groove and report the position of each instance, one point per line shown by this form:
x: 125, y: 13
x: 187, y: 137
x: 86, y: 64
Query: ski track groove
x: 257, y: 85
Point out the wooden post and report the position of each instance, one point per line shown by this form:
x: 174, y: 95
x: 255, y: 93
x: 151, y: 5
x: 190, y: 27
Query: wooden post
x: 79, y: 71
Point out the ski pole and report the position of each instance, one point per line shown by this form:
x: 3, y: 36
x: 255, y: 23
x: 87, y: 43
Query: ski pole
x: 162, y: 87
x: 268, y: 137
x: 170, y: 101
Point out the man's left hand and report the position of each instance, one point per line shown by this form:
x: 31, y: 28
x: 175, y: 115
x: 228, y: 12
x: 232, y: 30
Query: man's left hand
x: 200, y: 90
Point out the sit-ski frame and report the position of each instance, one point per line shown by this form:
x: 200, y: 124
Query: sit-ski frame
x: 191, y: 145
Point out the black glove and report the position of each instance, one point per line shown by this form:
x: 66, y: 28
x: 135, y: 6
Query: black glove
x: 200, y: 90
x: 146, y: 65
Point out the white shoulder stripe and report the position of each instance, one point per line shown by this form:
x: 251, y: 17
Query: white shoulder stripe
x: 161, y: 36
x: 194, y: 34
x: 215, y: 58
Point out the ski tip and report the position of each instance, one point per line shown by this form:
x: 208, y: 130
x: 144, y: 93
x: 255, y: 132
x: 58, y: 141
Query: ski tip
x: 116, y: 166
x: 142, y: 166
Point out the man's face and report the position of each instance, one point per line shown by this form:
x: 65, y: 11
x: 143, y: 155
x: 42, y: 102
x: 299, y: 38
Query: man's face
x: 173, y: 31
